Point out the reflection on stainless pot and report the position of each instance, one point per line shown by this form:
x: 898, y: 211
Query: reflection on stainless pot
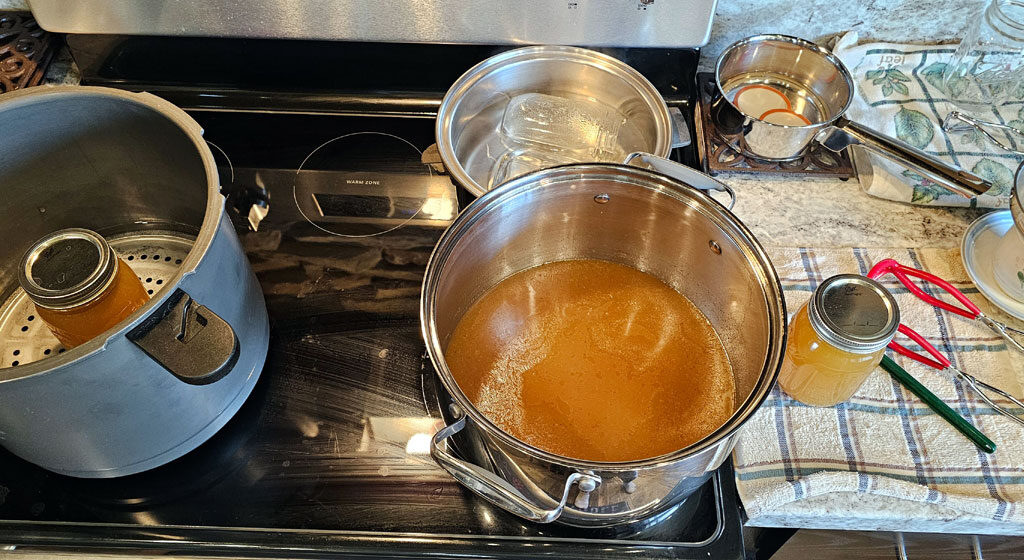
x: 135, y: 169
x: 538, y: 107
x: 625, y: 215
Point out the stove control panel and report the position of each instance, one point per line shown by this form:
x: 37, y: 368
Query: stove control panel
x: 586, y: 23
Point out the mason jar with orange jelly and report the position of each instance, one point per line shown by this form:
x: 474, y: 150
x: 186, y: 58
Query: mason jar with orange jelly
x: 79, y: 286
x: 837, y: 338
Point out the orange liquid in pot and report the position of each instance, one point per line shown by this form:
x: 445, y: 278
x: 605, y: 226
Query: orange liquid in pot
x: 80, y: 324
x: 593, y: 360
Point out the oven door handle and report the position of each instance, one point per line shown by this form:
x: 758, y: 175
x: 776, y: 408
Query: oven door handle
x: 495, y: 489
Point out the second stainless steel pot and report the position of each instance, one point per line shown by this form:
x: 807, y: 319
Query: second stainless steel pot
x: 470, y: 116
x: 640, y: 218
x: 820, y: 89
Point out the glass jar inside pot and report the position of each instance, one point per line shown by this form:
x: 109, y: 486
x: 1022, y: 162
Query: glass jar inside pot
x: 837, y: 338
x: 79, y: 286
x: 988, y: 67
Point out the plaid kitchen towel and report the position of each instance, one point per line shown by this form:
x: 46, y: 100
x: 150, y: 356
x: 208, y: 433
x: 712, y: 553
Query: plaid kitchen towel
x: 884, y: 441
x: 900, y: 93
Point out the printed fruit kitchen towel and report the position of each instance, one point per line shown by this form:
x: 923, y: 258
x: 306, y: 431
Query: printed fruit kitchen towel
x: 900, y: 92
x: 884, y: 460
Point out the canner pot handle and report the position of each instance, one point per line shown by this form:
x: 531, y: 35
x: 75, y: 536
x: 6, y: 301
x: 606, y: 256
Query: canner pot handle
x: 495, y: 489
x: 191, y: 342
x: 691, y: 177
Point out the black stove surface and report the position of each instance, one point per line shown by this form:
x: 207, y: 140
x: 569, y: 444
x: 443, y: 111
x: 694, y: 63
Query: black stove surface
x: 330, y: 454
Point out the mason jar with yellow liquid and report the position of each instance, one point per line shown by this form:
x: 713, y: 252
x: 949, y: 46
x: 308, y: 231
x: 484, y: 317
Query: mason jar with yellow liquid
x: 79, y: 286
x: 837, y: 338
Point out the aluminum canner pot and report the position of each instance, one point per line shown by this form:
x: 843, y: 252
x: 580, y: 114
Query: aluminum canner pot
x: 637, y: 217
x: 470, y: 117
x: 134, y: 168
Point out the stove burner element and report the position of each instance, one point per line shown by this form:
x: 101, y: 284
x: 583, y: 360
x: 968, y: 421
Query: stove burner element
x: 370, y: 183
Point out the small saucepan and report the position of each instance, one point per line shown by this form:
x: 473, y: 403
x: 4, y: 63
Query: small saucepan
x: 814, y: 90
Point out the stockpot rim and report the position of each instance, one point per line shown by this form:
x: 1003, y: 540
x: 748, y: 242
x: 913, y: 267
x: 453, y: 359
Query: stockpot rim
x: 804, y: 44
x: 449, y: 104
x: 643, y: 178
x: 211, y: 216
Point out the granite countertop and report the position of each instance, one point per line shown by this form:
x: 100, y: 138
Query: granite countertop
x: 814, y: 212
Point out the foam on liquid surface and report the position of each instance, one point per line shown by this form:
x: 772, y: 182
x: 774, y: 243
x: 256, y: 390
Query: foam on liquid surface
x: 593, y: 360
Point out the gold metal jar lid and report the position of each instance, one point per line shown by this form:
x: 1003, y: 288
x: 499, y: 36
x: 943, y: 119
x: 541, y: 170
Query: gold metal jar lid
x: 854, y: 313
x: 67, y: 268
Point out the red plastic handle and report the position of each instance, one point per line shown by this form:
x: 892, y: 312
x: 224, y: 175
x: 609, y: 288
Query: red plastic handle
x: 940, y: 361
x: 902, y: 273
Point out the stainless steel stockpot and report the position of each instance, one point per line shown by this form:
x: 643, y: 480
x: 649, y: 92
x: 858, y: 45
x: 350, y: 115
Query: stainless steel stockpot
x: 624, y: 214
x: 824, y: 89
x: 470, y: 115
x: 136, y: 169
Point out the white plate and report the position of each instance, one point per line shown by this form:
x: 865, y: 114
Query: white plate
x: 978, y: 251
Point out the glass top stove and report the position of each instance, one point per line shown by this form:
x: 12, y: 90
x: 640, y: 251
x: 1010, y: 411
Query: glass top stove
x: 331, y: 453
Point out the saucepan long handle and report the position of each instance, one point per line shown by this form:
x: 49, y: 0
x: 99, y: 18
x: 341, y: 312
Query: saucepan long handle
x: 845, y: 133
x: 495, y: 489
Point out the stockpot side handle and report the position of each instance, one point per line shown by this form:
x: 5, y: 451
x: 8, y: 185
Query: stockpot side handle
x: 191, y: 342
x: 495, y: 489
x: 690, y: 176
x: 845, y: 133
x: 681, y: 136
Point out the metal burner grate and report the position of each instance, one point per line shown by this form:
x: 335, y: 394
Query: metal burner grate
x: 25, y: 51
x: 154, y: 257
x: 716, y: 155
